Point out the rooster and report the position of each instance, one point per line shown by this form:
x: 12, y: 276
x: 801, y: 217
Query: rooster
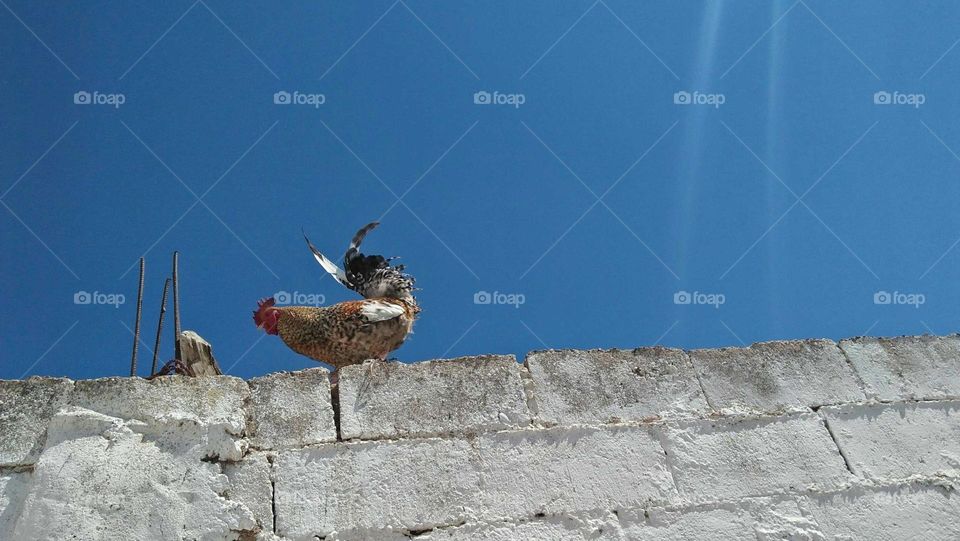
x: 352, y: 331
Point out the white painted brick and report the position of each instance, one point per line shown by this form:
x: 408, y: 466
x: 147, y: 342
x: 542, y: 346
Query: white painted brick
x: 410, y: 484
x: 250, y: 486
x: 99, y: 477
x: 291, y: 409
x: 566, y: 527
x: 212, y: 404
x: 898, y: 440
x: 591, y: 386
x: 572, y: 469
x: 369, y: 535
x: 772, y: 376
x: 469, y: 394
x: 14, y: 488
x: 206, y: 399
x: 726, y: 459
x: 745, y: 520
x: 928, y: 513
x: 25, y: 410
x: 908, y: 367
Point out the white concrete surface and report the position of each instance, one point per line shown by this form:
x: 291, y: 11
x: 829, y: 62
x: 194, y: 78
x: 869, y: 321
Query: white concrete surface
x: 251, y: 485
x: 579, y: 469
x: 774, y: 376
x: 748, y: 519
x: 464, y: 395
x: 728, y: 459
x: 912, y: 511
x: 14, y: 488
x: 613, y: 385
x: 889, y: 441
x: 26, y: 408
x: 101, y: 477
x: 212, y: 405
x: 291, y: 410
x: 908, y: 367
x: 652, y: 444
x: 562, y: 527
x: 412, y: 484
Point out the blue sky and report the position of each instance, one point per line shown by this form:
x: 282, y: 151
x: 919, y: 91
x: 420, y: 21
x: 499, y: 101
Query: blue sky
x: 778, y: 193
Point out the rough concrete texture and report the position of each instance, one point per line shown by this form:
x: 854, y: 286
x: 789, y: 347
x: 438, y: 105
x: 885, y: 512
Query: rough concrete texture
x: 13, y: 489
x: 101, y: 477
x: 771, y: 376
x: 607, y: 445
x: 728, y: 459
x: 908, y: 367
x: 251, y: 485
x: 464, y: 395
x: 580, y: 469
x: 614, y: 385
x: 749, y: 519
x: 212, y: 406
x: 884, y: 441
x: 564, y: 527
x: 411, y: 484
x: 291, y: 409
x: 893, y: 513
x: 25, y: 410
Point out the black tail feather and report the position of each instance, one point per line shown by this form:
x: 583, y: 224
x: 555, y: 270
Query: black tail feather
x: 370, y: 273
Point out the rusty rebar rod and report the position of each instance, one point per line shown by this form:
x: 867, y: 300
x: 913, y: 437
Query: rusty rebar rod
x: 176, y: 307
x: 136, y: 326
x: 163, y: 310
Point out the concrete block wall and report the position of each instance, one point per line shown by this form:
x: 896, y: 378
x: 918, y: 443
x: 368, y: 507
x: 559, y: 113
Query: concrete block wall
x: 805, y: 440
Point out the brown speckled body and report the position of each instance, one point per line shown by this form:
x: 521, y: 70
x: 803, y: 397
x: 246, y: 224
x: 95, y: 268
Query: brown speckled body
x: 341, y: 334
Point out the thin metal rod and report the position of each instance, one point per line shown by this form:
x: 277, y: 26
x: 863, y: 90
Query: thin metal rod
x: 163, y: 310
x: 136, y: 327
x: 176, y: 306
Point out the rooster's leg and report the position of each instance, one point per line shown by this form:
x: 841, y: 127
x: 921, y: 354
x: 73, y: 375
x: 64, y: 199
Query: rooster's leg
x: 368, y: 377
